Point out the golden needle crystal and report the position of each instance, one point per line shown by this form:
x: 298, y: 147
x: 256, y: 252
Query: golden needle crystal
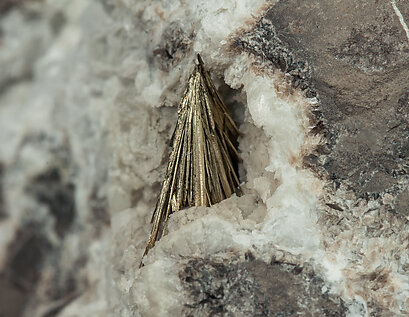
x: 202, y: 167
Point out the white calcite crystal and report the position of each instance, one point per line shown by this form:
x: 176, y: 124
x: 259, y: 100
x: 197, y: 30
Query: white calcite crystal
x: 95, y: 91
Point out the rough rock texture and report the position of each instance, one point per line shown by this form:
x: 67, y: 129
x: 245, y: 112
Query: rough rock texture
x: 355, y: 55
x: 361, y: 71
x: 254, y: 288
x: 88, y: 96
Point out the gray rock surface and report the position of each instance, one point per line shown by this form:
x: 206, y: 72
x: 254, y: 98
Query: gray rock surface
x: 355, y: 56
x: 255, y: 288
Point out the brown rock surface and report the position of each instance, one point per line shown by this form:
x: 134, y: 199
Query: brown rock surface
x: 355, y: 56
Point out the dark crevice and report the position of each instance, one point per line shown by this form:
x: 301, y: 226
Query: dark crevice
x: 57, y: 194
x: 22, y: 272
x: 234, y: 100
x: 26, y: 256
x: 10, y: 82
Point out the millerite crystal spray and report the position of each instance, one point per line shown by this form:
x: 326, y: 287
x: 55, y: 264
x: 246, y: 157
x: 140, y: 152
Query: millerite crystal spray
x: 202, y: 167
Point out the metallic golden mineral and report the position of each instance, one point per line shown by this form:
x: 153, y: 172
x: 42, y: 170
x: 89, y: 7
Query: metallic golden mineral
x: 202, y: 167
